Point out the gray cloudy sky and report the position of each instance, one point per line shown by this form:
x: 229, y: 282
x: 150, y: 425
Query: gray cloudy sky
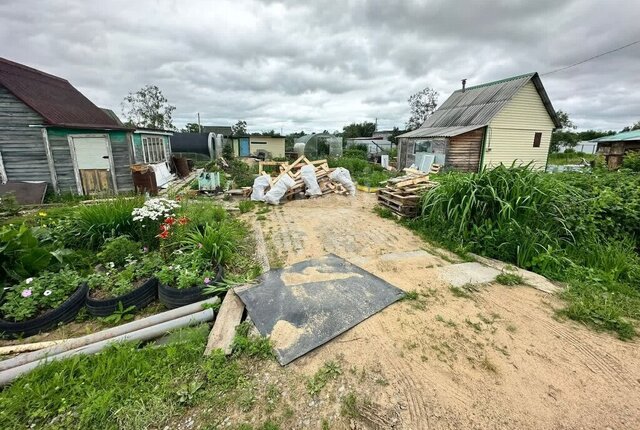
x: 322, y: 64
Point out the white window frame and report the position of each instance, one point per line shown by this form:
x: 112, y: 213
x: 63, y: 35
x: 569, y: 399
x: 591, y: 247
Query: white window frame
x: 153, y: 149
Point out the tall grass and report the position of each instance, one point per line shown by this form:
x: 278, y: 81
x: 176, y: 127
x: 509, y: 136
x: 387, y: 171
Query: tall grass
x: 92, y: 224
x: 580, y: 229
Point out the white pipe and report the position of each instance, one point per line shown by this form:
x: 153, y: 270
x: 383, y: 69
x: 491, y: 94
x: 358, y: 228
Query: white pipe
x: 106, y: 334
x: 144, y: 334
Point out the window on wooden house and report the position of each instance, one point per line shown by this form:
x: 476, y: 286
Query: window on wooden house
x: 537, y: 138
x: 153, y: 149
x: 422, y: 146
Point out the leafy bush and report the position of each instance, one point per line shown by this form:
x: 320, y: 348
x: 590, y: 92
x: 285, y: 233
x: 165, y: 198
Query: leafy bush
x: 34, y: 296
x: 241, y: 173
x: 21, y: 254
x: 118, y: 250
x: 187, y: 270
x: 114, y: 282
x: 217, y: 242
x: 356, y: 152
x: 91, y: 225
x: 9, y: 205
x: 632, y: 161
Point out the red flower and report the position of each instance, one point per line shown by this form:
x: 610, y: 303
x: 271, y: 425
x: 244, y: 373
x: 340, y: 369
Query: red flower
x: 170, y: 220
x: 164, y: 234
x: 183, y: 220
x: 164, y: 227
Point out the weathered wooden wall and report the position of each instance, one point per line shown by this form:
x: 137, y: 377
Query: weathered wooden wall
x: 463, y: 153
x: 22, y: 147
x: 120, y: 147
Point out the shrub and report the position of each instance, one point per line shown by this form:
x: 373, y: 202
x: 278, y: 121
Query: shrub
x: 34, y: 296
x: 21, y: 254
x: 91, y: 225
x: 187, y: 270
x: 632, y: 161
x: 9, y: 205
x: 356, y: 152
x: 217, y: 241
x: 118, y: 250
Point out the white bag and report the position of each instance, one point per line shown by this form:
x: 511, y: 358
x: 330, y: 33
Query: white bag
x: 278, y: 190
x: 308, y: 174
x: 342, y: 176
x: 259, y: 185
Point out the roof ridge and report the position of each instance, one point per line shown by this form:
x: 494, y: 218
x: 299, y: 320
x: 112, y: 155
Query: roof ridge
x: 499, y: 81
x: 31, y: 69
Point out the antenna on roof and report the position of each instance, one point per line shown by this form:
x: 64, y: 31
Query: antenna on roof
x: 464, y: 84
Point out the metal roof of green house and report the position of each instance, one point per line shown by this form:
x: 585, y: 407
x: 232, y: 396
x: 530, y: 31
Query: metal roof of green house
x: 620, y: 137
x: 476, y: 106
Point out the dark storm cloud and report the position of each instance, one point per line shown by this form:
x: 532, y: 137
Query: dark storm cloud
x: 318, y: 65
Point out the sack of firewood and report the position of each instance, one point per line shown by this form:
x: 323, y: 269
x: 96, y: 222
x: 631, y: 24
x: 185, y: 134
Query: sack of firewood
x: 308, y: 174
x: 259, y: 185
x: 343, y: 177
x: 279, y: 189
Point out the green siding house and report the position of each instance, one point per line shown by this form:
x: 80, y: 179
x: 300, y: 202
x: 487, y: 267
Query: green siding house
x: 50, y: 132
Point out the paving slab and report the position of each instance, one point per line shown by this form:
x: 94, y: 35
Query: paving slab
x: 467, y: 273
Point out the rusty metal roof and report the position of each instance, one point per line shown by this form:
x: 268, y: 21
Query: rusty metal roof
x: 54, y: 98
x: 478, y: 105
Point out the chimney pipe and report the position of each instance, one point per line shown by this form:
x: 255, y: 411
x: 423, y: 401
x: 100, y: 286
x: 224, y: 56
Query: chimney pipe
x: 464, y: 84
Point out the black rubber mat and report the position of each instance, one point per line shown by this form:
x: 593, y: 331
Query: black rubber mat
x: 309, y: 303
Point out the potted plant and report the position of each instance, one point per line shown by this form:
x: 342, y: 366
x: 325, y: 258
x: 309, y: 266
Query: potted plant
x: 40, y: 303
x: 133, y: 285
x: 184, y: 280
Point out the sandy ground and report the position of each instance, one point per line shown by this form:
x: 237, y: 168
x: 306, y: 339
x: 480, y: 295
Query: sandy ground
x: 495, y: 359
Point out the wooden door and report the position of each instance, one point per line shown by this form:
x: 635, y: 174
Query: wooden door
x: 93, y: 160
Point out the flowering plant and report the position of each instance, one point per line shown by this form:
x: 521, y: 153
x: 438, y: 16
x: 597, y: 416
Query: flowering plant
x: 187, y: 270
x: 34, y: 296
x: 114, y: 282
x: 155, y: 210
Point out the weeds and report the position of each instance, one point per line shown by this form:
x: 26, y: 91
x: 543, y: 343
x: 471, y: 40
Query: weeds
x: 246, y: 206
x: 329, y: 371
x: 349, y: 407
x: 509, y: 279
x: 251, y: 345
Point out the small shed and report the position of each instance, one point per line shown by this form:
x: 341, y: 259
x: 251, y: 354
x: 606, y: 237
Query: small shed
x: 501, y: 122
x: 52, y: 133
x: 265, y: 147
x: 616, y: 146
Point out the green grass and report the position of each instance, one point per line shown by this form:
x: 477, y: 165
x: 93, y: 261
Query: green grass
x: 570, y: 158
x: 246, y: 206
x: 509, y: 279
x: 130, y: 386
x: 330, y: 370
x: 582, y: 229
x: 349, y: 407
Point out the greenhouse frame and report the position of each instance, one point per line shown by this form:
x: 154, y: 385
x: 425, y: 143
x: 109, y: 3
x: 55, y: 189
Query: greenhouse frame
x: 318, y: 145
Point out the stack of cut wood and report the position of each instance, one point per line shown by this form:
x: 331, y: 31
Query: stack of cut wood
x: 322, y: 171
x: 402, y: 194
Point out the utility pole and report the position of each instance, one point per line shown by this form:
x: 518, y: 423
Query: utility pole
x: 199, y: 126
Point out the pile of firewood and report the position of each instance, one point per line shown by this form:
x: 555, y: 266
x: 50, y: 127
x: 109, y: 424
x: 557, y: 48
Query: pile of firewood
x: 322, y: 170
x: 402, y: 194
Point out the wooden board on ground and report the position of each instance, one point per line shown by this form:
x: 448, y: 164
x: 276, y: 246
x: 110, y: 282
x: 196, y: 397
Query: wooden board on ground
x: 224, y: 329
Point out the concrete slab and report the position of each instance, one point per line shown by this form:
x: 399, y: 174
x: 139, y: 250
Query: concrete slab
x: 467, y: 273
x: 531, y: 279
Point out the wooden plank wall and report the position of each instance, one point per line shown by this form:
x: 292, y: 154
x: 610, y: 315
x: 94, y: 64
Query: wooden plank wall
x: 64, y: 166
x: 22, y: 147
x: 463, y: 154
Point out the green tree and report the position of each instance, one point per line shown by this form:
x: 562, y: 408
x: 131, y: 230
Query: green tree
x: 148, y: 108
x: 363, y: 129
x: 564, y: 136
x: 191, y: 127
x: 239, y: 128
x: 422, y: 105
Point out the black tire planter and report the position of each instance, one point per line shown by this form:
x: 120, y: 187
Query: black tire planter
x: 140, y: 297
x: 64, y: 313
x: 174, y: 297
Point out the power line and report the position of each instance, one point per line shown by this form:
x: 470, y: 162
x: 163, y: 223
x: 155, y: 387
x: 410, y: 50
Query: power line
x: 591, y: 58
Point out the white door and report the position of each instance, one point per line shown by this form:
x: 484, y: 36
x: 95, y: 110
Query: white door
x: 93, y: 161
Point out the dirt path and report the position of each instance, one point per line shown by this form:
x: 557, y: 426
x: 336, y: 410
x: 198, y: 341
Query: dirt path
x: 492, y: 358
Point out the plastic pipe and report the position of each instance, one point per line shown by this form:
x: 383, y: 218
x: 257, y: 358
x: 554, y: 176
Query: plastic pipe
x: 106, y: 334
x: 147, y: 333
